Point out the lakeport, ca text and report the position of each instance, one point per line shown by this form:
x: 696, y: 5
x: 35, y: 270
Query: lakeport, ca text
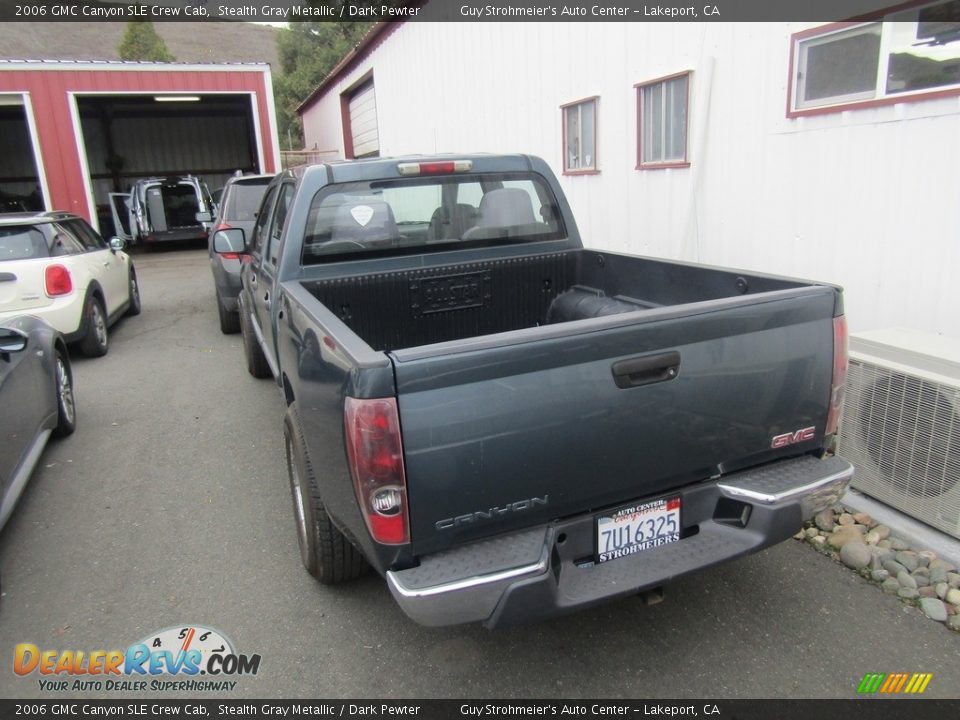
x: 572, y: 11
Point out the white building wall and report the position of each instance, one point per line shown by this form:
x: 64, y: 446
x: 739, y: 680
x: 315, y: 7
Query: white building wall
x: 869, y: 199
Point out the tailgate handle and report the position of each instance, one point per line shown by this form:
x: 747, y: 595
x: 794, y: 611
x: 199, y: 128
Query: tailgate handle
x: 646, y: 370
x: 7, y: 277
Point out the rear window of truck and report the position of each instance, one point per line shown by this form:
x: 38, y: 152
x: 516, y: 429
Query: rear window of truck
x: 390, y: 217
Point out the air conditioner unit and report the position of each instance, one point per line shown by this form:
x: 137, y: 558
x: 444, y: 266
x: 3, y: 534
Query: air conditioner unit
x: 901, y: 423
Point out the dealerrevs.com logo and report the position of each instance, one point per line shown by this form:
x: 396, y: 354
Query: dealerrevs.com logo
x: 172, y: 659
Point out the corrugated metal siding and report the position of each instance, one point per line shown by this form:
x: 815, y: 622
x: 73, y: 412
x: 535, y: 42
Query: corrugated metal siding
x: 155, y: 146
x: 865, y: 198
x: 363, y: 122
x: 49, y: 91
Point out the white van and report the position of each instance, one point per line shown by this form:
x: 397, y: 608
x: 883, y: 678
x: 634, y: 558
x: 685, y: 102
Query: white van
x: 163, y: 209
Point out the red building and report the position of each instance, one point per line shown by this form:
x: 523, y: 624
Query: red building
x: 73, y: 132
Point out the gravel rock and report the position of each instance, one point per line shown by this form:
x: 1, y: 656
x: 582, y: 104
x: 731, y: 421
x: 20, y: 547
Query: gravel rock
x: 933, y: 609
x: 883, y: 543
x: 953, y: 579
x: 846, y: 519
x: 927, y: 592
x: 938, y: 575
x: 884, y: 554
x: 921, y: 580
x: 819, y: 542
x: 871, y: 538
x: 922, y: 571
x: 864, y: 519
x: 883, y: 531
x: 923, y: 562
x: 825, y: 520
x: 930, y: 555
x: 939, y: 563
x: 811, y: 532
x: 838, y: 509
x: 890, y: 585
x: 800, y: 536
x: 954, y: 623
x: 844, y: 534
x: 908, y: 559
x: 893, y: 567
x: 898, y: 544
x: 941, y: 589
x: 906, y: 580
x: 855, y: 555
x: 953, y: 596
x: 908, y: 593
x: 881, y: 575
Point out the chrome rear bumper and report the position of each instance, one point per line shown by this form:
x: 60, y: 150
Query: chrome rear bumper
x: 529, y: 574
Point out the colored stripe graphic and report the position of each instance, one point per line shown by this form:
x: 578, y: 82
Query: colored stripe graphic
x: 894, y: 683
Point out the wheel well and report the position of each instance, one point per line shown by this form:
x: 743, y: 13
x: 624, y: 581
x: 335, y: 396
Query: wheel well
x: 287, y: 390
x: 95, y: 291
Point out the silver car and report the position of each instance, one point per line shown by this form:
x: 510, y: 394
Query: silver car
x: 36, y: 391
x: 239, y: 206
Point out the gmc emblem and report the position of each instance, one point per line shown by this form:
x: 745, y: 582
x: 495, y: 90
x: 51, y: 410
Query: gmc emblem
x: 780, y: 441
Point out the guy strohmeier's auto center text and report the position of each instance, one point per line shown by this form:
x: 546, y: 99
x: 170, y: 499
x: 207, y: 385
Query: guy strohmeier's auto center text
x: 584, y: 11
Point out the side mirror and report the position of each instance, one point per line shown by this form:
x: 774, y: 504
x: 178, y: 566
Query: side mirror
x: 229, y: 241
x: 204, y: 217
x: 12, y: 341
x: 116, y: 244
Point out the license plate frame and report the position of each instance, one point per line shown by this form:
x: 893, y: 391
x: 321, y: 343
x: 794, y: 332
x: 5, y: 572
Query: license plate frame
x: 631, y: 529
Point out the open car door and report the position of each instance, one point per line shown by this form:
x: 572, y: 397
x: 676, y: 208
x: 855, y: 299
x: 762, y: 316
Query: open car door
x: 120, y: 211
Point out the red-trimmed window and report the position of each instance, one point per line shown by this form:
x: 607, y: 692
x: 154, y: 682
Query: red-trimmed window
x: 902, y: 56
x: 663, y: 110
x: 580, y: 137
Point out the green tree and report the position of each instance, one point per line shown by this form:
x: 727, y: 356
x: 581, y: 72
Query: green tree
x: 141, y: 42
x: 308, y: 51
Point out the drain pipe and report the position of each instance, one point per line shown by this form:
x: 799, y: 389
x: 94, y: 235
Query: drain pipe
x: 690, y: 240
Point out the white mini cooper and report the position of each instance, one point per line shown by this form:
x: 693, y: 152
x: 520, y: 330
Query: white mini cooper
x: 55, y: 266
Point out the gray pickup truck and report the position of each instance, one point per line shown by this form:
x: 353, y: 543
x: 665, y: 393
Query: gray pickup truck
x: 508, y: 425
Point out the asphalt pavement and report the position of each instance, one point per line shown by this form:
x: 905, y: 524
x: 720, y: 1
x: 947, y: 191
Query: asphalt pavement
x: 170, y: 507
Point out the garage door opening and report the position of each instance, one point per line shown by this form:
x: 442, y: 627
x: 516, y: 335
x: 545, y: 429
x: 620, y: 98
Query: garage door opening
x: 20, y: 186
x: 133, y: 137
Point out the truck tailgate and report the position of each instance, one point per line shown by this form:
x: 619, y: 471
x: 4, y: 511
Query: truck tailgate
x: 521, y: 428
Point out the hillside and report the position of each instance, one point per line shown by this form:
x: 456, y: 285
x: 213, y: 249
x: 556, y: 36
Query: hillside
x: 207, y: 42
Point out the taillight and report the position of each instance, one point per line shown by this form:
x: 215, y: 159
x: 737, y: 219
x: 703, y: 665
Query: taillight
x: 57, y: 281
x: 838, y: 386
x: 375, y: 453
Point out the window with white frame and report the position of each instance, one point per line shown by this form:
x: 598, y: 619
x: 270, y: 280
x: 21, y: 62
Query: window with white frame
x: 905, y: 54
x: 663, y: 117
x: 580, y: 136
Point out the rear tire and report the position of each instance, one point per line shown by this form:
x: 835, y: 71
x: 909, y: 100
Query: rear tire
x: 326, y: 553
x: 134, y: 295
x: 66, y: 403
x: 229, y: 321
x: 256, y: 361
x: 96, y: 341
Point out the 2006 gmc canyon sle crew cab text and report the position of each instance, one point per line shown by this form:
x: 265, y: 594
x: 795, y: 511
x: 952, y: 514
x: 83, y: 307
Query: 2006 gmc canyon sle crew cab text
x: 507, y: 425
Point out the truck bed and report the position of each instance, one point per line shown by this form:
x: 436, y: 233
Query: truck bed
x: 423, y: 306
x: 576, y: 380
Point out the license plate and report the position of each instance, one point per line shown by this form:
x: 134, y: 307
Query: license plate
x: 637, y: 527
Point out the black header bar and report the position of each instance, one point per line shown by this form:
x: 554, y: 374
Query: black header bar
x: 280, y: 11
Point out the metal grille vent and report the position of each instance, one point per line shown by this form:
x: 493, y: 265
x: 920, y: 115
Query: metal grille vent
x: 902, y: 432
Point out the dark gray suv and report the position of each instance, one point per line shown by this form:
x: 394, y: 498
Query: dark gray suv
x: 238, y: 209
